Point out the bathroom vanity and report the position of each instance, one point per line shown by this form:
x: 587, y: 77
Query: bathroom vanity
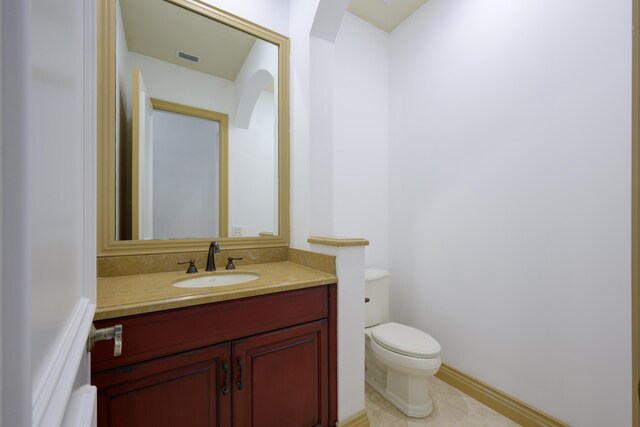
x: 259, y: 353
x: 256, y: 353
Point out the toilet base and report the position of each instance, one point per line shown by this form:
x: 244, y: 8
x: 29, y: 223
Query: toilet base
x: 409, y: 394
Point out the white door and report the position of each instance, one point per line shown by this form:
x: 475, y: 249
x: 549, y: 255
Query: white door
x: 48, y: 211
x: 142, y: 159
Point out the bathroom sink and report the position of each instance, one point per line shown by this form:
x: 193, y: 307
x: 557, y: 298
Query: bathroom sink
x: 216, y: 280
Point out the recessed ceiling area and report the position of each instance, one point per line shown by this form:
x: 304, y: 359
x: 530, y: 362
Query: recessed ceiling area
x: 384, y: 14
x: 159, y: 29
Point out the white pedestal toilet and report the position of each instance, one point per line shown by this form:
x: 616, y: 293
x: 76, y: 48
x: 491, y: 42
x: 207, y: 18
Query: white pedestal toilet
x: 398, y: 359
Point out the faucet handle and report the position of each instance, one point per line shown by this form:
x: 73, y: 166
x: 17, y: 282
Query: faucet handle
x: 192, y: 266
x: 230, y: 265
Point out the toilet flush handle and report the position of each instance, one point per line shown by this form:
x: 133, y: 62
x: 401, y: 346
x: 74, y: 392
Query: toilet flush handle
x: 366, y: 300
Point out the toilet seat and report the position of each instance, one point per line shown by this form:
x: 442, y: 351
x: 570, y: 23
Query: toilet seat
x: 405, y: 340
x: 413, y: 366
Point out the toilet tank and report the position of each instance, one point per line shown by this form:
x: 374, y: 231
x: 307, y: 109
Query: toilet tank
x: 376, y: 289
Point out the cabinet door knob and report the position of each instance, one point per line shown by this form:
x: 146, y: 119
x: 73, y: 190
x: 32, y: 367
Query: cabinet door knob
x: 225, y: 388
x: 240, y: 385
x: 113, y: 333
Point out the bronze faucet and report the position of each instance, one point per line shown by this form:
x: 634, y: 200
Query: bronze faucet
x: 214, y: 248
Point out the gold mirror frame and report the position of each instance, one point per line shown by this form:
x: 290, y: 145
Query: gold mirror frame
x: 107, y: 245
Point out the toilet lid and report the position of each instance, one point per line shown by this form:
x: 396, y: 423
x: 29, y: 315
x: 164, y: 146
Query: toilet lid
x: 406, y: 340
x: 374, y: 274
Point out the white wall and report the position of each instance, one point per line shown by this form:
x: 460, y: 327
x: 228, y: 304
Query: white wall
x: 263, y: 56
x: 258, y: 72
x: 510, y: 196
x: 300, y: 21
x: 361, y: 136
x: 253, y: 171
x: 358, y: 172
x: 183, y: 85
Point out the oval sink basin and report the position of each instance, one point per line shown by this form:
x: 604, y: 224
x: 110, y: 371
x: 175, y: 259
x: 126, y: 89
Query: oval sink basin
x: 216, y: 280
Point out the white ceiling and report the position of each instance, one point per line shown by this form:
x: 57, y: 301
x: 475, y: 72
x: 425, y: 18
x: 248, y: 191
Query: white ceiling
x: 384, y: 14
x: 157, y: 29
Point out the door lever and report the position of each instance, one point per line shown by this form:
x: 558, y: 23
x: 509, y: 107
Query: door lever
x: 113, y: 333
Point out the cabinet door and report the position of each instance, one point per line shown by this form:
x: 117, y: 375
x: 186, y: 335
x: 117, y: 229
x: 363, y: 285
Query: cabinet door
x: 281, y: 378
x: 186, y: 389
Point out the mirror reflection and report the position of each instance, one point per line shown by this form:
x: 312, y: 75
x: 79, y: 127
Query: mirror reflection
x: 182, y: 162
x: 196, y: 126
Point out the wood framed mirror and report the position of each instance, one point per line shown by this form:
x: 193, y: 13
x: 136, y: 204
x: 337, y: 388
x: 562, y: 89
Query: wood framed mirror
x: 231, y: 74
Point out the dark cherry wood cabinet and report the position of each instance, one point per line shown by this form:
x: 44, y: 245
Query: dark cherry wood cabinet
x: 261, y: 361
x: 282, y: 378
x: 182, y: 389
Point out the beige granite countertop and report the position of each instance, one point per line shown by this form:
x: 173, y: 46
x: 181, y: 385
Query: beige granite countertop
x: 144, y: 293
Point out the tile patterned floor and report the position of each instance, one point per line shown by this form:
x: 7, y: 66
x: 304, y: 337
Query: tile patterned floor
x: 451, y: 408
